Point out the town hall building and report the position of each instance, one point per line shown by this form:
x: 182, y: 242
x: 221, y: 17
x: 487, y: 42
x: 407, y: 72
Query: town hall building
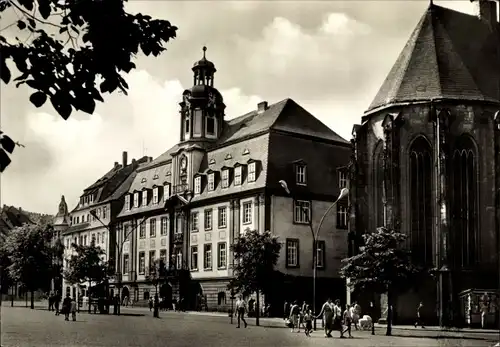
x: 427, y: 160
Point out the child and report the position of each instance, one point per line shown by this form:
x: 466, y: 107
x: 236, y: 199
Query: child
x: 308, y: 321
x: 73, y: 309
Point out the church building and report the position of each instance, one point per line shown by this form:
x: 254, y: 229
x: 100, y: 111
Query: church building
x: 427, y: 158
x: 191, y: 203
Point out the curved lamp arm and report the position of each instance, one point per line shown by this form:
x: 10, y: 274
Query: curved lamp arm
x: 343, y: 193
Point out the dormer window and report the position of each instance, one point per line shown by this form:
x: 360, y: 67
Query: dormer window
x: 127, y: 202
x: 144, y: 197
x: 91, y: 197
x: 211, y: 182
x: 86, y: 199
x: 342, y: 178
x: 197, y: 185
x: 210, y: 125
x: 155, y: 195
x: 166, y: 191
x: 300, y: 174
x: 225, y: 178
x: 237, y: 175
x: 252, y: 172
x: 136, y: 199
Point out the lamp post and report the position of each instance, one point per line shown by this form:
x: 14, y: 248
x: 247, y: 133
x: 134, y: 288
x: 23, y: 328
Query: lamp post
x: 119, y: 248
x: 314, y: 234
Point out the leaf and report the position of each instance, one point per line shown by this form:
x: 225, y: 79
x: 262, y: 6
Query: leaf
x: 27, y: 4
x: 34, y: 84
x: 63, y: 30
x: 44, y: 8
x: 31, y: 22
x: 4, y: 70
x: 38, y: 99
x: 84, y: 102
x: 4, y: 160
x: 62, y: 105
x: 7, y: 143
x: 21, y: 25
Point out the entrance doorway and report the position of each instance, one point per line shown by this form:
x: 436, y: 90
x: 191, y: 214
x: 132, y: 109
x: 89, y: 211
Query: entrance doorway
x: 125, y: 296
x: 166, y: 295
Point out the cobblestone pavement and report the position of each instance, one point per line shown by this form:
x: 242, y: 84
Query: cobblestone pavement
x: 32, y: 328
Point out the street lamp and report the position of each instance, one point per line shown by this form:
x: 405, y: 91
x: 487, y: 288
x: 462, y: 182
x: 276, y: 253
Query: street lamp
x: 343, y: 193
x: 119, y: 247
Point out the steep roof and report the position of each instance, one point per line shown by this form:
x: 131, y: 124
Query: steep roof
x: 450, y: 55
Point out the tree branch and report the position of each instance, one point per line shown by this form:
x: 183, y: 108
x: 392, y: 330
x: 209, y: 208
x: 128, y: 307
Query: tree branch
x: 27, y: 14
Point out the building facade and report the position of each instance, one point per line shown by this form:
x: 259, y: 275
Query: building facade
x: 427, y: 157
x: 189, y: 205
x: 61, y: 222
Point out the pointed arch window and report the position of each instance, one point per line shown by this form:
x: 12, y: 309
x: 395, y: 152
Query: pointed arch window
x: 378, y: 166
x: 464, y: 203
x: 421, y: 201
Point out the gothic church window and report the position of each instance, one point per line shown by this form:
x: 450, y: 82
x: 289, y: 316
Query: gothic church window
x: 378, y: 171
x: 464, y: 202
x: 421, y: 201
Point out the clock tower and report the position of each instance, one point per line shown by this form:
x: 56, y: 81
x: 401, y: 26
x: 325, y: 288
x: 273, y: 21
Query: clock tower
x: 202, y: 107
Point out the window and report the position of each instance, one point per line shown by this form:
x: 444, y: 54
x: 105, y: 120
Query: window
x: 187, y: 125
x: 222, y: 220
x: 237, y: 175
x: 98, y: 238
x: 126, y: 263
x: 197, y: 119
x: 247, y: 212
x: 163, y: 256
x: 210, y: 125
x: 88, y: 216
x: 152, y: 227
x: 211, y: 182
x: 208, y: 219
x: 194, y: 257
x: 166, y: 192
x: 146, y: 295
x: 207, y: 258
x: 300, y: 174
x: 341, y: 217
x: 251, y: 172
x: 142, y: 263
x: 292, y: 253
x: 85, y: 240
x: 152, y: 256
x: 221, y: 298
x: 104, y: 212
x: 144, y: 197
x: 221, y: 255
x: 125, y: 232
x: 163, y: 230
x: 194, y: 221
x: 197, y: 185
x: 302, y: 211
x: 98, y: 213
x: 155, y: 195
x: 342, y: 179
x: 225, y: 178
x: 320, y: 254
x: 142, y: 231
x: 93, y: 239
x: 178, y: 258
x: 136, y: 199
x: 127, y: 202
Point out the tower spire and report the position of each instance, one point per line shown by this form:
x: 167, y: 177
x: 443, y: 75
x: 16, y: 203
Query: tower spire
x: 204, y: 50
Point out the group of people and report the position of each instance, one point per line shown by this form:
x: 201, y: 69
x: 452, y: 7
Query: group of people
x: 334, y: 318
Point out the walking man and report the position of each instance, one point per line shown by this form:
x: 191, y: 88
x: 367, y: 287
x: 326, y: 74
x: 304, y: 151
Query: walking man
x: 419, y: 320
x: 241, y: 308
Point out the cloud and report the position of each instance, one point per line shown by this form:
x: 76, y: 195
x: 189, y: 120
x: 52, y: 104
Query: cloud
x: 80, y: 150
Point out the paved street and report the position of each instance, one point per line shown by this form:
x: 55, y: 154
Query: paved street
x: 25, y: 327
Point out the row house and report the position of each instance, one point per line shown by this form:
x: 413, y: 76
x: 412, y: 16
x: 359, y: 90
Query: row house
x: 190, y: 204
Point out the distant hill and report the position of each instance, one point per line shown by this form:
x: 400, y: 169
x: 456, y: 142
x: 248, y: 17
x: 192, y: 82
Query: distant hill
x: 12, y: 217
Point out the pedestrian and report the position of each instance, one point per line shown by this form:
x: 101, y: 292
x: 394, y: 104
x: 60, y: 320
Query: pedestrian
x: 356, y: 314
x: 150, y: 304
x: 241, y: 308
x: 286, y: 308
x: 66, y: 307
x: 57, y: 301
x: 347, y: 318
x: 51, y: 301
x: 327, y: 312
x: 372, y: 316
x: 156, y: 311
x: 308, y: 320
x: 337, y: 318
x: 73, y: 309
x: 419, y: 320
x: 294, y: 316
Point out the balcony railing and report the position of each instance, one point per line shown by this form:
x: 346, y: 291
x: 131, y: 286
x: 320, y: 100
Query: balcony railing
x: 180, y: 188
x: 178, y: 238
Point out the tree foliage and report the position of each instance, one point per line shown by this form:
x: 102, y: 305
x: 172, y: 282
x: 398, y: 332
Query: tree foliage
x: 156, y: 273
x: 383, y: 265
x: 30, y: 252
x: 256, y: 255
x: 86, y: 265
x: 76, y: 51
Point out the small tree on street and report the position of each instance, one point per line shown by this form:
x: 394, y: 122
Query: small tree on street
x: 156, y: 274
x: 86, y: 266
x: 256, y: 255
x: 383, y: 266
x: 31, y: 254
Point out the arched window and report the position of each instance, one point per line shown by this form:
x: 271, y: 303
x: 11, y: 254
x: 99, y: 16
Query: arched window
x: 221, y: 298
x: 146, y: 295
x: 464, y: 198
x: 421, y: 201
x: 378, y: 168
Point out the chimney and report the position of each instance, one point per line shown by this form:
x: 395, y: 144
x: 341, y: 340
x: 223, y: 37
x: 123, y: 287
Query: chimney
x: 116, y: 164
x: 124, y: 159
x: 133, y: 161
x: 262, y: 107
x: 486, y: 10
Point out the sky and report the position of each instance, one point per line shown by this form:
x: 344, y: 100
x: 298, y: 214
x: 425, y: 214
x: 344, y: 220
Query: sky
x: 329, y: 56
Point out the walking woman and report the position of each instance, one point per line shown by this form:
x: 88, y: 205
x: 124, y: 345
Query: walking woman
x: 241, y: 308
x: 294, y: 316
x: 327, y: 312
x: 337, y: 318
